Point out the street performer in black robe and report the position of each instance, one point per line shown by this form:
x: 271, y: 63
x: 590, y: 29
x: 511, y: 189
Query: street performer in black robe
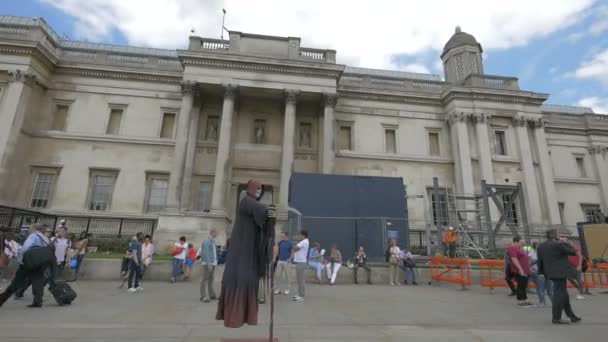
x: 248, y: 260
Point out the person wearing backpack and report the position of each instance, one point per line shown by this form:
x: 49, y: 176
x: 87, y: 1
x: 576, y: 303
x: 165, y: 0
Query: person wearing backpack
x: 34, y: 257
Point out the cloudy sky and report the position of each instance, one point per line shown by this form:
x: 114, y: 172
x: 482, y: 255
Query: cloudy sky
x: 554, y: 46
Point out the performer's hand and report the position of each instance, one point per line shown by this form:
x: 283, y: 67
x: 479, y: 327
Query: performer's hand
x: 272, y: 211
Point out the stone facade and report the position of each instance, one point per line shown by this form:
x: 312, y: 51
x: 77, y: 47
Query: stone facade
x: 138, y: 132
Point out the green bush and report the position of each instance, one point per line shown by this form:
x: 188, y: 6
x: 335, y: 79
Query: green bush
x: 109, y: 245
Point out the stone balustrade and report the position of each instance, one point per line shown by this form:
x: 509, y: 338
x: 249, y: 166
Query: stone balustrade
x: 390, y: 83
x: 214, y: 44
x: 490, y: 81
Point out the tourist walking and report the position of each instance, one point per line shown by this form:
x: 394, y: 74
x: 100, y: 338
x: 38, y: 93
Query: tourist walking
x: 208, y: 256
x: 32, y: 268
x: 189, y: 262
x: 315, y: 259
x: 283, y: 271
x: 520, y: 266
x: 334, y: 264
x: 179, y: 253
x: 300, y: 254
x: 542, y: 285
x: 360, y: 261
x: 553, y: 263
x: 575, y: 272
x: 393, y: 263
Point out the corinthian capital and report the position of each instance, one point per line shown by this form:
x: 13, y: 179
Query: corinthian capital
x: 537, y: 123
x: 455, y: 117
x: 519, y: 121
x: 291, y: 96
x: 596, y: 149
x: 479, y: 118
x: 230, y: 90
x: 330, y: 100
x: 20, y: 76
x: 188, y: 87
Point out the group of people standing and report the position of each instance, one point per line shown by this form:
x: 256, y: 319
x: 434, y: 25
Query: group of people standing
x: 549, y: 266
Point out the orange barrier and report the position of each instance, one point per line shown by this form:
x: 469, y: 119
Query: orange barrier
x: 456, y: 271
x: 492, y: 273
x: 602, y: 273
x: 588, y: 279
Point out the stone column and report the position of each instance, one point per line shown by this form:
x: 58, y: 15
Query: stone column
x: 218, y: 198
x: 186, y: 193
x: 546, y: 171
x: 328, y: 148
x: 485, y: 156
x: 601, y: 171
x: 529, y: 184
x: 288, y: 147
x: 462, y: 153
x: 181, y: 143
x: 12, y: 114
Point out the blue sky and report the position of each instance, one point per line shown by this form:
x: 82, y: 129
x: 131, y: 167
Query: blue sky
x: 552, y: 46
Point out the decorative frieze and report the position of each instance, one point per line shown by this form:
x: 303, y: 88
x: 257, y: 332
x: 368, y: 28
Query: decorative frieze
x: 230, y: 90
x: 20, y: 76
x: 189, y: 87
x: 291, y: 96
x: 597, y: 149
x: 537, y: 123
x: 330, y: 100
x: 520, y: 121
x: 479, y: 118
x: 453, y: 118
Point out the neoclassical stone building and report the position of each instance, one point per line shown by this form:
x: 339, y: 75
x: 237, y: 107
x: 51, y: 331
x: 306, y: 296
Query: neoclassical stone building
x: 175, y: 134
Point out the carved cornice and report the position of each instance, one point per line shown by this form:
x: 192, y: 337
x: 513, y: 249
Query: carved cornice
x: 230, y: 91
x: 20, y: 76
x: 521, y: 99
x: 34, y: 53
x: 291, y: 96
x: 390, y: 98
x: 330, y: 100
x: 261, y: 67
x: 120, y: 75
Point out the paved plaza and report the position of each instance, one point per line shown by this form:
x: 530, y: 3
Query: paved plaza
x: 164, y: 312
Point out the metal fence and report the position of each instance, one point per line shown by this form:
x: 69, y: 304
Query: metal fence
x: 12, y: 219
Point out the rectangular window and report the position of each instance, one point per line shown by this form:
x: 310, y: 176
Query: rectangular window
x: 204, y: 196
x: 157, y: 194
x: 390, y: 141
x: 259, y: 131
x: 344, y: 141
x: 42, y: 190
x: 305, y: 135
x: 168, y: 126
x: 580, y: 166
x: 434, y: 144
x: 590, y: 211
x: 500, y: 143
x: 439, y: 207
x: 60, y: 117
x: 510, y: 209
x: 561, y: 206
x: 101, y: 190
x: 114, y: 122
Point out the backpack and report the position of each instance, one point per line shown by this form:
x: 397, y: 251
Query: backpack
x: 38, y: 257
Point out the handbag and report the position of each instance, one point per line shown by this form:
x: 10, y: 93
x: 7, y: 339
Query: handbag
x: 393, y: 260
x: 176, y: 251
x: 38, y: 257
x: 74, y: 263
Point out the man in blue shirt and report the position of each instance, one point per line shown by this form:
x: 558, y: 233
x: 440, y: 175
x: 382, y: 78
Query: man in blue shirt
x: 283, y: 265
x: 134, y: 250
x: 208, y: 255
x: 23, y: 275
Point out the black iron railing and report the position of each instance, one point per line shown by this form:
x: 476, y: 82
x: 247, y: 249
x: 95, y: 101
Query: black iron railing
x: 12, y: 219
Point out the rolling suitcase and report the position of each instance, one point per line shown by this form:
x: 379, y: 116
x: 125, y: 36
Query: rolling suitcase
x: 63, y: 293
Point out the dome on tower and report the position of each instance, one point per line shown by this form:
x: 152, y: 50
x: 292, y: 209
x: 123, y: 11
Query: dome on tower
x: 460, y: 39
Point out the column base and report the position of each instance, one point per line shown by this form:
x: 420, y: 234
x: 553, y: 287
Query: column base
x: 194, y: 226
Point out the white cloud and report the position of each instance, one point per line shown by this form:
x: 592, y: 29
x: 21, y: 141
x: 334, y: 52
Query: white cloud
x: 415, y: 67
x: 363, y: 32
x: 599, y: 105
x: 599, y: 24
x: 596, y: 68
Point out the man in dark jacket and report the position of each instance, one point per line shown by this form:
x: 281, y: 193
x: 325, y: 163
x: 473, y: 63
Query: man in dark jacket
x: 553, y: 263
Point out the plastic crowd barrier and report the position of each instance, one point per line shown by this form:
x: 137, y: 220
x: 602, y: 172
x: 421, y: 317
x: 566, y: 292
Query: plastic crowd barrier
x: 455, y: 271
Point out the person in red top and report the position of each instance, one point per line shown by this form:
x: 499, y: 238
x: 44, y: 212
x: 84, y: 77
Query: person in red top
x: 520, y: 266
x: 575, y: 273
x: 190, y: 259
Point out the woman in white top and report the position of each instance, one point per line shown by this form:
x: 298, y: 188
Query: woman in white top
x: 393, y: 263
